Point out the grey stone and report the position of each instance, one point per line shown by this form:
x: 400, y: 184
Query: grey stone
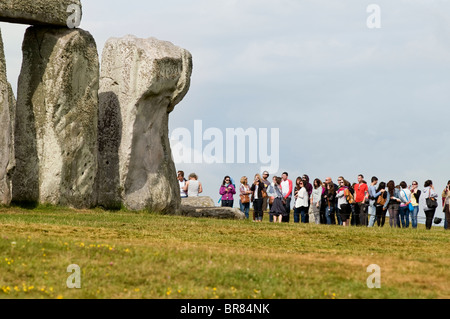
x: 198, y: 201
x: 7, y: 103
x: 38, y: 12
x: 213, y: 212
x: 56, y: 118
x: 141, y: 82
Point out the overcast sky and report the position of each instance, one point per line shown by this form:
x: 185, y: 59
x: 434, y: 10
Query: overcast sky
x: 346, y: 99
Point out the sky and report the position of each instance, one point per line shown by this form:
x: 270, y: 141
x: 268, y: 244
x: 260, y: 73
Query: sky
x: 344, y: 98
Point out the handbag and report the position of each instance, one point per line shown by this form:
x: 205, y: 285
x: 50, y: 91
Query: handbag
x: 431, y: 202
x: 245, y: 199
x: 437, y: 220
x: 381, y: 200
x: 410, y: 205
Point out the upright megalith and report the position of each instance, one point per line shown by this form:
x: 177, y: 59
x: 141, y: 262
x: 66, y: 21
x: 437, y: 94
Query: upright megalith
x: 141, y: 82
x: 6, y: 131
x: 65, y: 13
x: 56, y: 118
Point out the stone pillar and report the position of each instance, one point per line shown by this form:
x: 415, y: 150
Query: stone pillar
x: 141, y: 82
x: 57, y: 114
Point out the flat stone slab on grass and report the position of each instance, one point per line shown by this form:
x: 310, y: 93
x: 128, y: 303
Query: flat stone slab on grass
x: 214, y: 212
x: 198, y: 201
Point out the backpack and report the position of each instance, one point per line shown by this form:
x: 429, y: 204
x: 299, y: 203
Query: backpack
x: 349, y: 196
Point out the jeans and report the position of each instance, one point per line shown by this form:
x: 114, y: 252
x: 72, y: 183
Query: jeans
x: 404, y: 216
x: 297, y: 213
x: 304, y: 213
x: 413, y: 215
x: 372, y: 215
x: 329, y: 212
x: 245, y: 208
x: 338, y: 215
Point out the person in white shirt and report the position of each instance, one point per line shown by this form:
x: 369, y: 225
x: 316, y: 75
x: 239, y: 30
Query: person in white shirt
x: 405, y: 198
x: 301, y: 203
x: 182, y: 183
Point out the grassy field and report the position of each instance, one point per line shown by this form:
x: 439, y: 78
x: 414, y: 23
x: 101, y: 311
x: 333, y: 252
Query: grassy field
x: 141, y: 255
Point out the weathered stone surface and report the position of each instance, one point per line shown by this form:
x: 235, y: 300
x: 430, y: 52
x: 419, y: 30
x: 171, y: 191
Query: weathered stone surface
x: 56, y: 118
x: 213, y: 212
x: 6, y: 131
x: 198, y: 201
x: 38, y: 12
x: 141, y: 82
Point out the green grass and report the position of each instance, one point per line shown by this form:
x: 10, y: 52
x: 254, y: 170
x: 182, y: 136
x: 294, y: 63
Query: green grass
x: 142, y: 255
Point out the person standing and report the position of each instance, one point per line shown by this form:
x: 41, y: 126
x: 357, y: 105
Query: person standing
x: 297, y: 188
x: 344, y: 206
x: 429, y: 193
x: 415, y: 196
x: 301, y: 204
x: 380, y: 210
x: 392, y: 203
x: 446, y: 204
x: 286, y: 187
x: 244, y: 194
x: 405, y: 198
x: 277, y: 209
x: 266, y: 182
x: 373, y: 195
x: 271, y: 194
x: 361, y: 193
x: 329, y: 199
x: 316, y: 199
x: 227, y: 191
x: 193, y: 187
x: 182, y: 183
x: 334, y: 213
x: 258, y: 189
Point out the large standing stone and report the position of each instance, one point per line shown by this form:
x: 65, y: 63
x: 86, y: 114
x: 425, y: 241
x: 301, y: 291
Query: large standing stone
x: 56, y: 120
x: 6, y: 131
x: 40, y: 12
x: 141, y: 82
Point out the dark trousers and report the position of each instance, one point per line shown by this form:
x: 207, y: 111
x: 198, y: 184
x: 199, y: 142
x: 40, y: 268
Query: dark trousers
x: 430, y: 215
x: 287, y: 207
x: 363, y: 220
x: 227, y: 203
x: 381, y: 215
x: 257, y: 207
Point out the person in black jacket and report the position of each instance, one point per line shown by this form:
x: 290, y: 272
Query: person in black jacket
x: 258, y: 191
x: 329, y: 200
x: 415, y: 192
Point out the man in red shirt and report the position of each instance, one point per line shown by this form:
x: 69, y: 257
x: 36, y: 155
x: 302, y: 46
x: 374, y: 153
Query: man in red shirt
x: 361, y: 193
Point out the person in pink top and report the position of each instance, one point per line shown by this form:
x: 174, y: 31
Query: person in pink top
x: 227, y: 191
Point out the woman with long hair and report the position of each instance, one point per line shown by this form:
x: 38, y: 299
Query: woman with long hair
x: 392, y: 203
x: 329, y: 198
x: 316, y: 198
x: 430, y: 193
x: 380, y: 211
x: 227, y: 191
x: 446, y: 204
x: 415, y: 196
x: 302, y: 203
x: 297, y: 188
x: 244, y: 194
x: 343, y: 204
x: 258, y: 189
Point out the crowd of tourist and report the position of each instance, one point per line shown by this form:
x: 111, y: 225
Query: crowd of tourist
x: 346, y: 204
